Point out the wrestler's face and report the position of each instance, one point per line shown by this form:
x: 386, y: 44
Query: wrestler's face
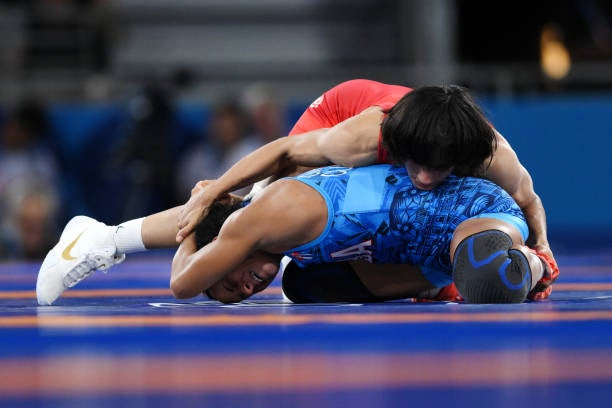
x: 426, y: 178
x: 254, y: 275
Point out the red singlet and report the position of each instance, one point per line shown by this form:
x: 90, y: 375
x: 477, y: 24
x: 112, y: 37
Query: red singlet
x: 347, y: 100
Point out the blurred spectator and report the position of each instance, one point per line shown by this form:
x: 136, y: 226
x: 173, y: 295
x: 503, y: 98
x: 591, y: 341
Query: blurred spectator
x: 223, y: 145
x: 146, y: 159
x: 24, y: 151
x: 26, y: 163
x: 30, y: 226
x: 264, y: 112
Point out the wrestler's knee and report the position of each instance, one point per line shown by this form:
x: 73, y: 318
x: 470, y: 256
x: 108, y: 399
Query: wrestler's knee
x: 487, y: 270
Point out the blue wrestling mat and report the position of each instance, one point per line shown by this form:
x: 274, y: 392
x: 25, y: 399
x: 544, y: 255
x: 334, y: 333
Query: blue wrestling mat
x: 121, y: 339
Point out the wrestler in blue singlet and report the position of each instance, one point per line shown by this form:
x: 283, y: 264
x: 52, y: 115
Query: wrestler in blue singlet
x: 377, y: 215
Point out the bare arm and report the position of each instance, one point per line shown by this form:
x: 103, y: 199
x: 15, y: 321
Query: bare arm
x: 194, y: 271
x: 273, y: 223
x: 509, y: 173
x: 353, y: 142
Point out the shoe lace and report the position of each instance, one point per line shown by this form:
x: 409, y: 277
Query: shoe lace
x: 80, y: 272
x: 88, y: 266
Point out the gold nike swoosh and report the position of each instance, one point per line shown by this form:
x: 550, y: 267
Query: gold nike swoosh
x: 66, y: 254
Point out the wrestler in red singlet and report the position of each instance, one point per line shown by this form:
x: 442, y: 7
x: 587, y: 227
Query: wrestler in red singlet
x: 347, y: 100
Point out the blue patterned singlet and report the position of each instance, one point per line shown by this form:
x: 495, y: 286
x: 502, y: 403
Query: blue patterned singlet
x: 377, y: 215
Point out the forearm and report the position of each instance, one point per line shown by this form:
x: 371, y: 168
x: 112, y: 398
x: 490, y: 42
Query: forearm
x: 261, y: 163
x: 509, y: 173
x: 195, y: 270
x: 270, y: 160
x: 536, y: 220
x: 182, y: 263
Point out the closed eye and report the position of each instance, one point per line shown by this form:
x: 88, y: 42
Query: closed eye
x: 228, y: 286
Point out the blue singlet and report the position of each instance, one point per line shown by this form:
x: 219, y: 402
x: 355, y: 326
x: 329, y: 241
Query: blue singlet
x: 377, y: 215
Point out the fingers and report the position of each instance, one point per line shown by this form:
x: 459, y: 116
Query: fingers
x: 200, y: 185
x: 194, y: 210
x: 184, y: 220
x: 186, y: 223
x: 546, y: 251
x: 189, y: 218
x: 183, y: 232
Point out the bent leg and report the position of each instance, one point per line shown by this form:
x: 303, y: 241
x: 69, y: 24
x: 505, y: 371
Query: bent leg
x: 487, y: 270
x: 358, y: 282
x: 394, y: 281
x: 324, y: 283
x: 491, y: 264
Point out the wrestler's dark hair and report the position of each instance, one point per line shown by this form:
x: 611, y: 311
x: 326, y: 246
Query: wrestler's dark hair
x: 439, y: 127
x: 209, y: 228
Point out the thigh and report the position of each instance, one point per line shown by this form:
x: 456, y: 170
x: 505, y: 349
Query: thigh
x: 357, y: 282
x: 325, y: 283
x: 392, y: 281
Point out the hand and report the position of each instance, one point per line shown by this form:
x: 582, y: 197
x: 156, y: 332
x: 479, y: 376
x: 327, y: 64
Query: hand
x: 543, y: 288
x: 195, y: 209
x: 544, y: 249
x: 200, y: 185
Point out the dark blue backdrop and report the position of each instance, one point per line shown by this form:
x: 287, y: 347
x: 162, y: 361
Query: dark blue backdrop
x: 564, y: 141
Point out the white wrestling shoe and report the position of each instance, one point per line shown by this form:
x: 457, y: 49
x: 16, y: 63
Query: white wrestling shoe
x: 84, y: 246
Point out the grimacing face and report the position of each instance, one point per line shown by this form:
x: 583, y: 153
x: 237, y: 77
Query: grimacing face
x: 426, y: 178
x: 253, y: 276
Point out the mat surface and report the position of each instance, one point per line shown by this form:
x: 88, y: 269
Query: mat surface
x: 121, y: 339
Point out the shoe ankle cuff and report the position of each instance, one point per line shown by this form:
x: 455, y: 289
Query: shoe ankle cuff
x: 128, y: 237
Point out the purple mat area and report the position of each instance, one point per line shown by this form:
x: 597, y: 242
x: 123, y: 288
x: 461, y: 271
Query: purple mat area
x: 121, y: 339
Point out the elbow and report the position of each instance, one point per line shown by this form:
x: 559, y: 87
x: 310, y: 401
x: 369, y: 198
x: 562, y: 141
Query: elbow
x: 350, y: 161
x: 528, y: 202
x: 180, y: 290
x: 180, y: 286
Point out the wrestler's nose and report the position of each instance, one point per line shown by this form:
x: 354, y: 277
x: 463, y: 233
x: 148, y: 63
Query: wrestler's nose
x: 247, y: 289
x: 426, y: 179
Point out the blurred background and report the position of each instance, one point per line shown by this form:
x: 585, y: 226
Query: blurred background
x: 115, y: 108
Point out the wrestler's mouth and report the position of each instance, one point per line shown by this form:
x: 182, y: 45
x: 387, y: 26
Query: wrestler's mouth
x: 256, y: 277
